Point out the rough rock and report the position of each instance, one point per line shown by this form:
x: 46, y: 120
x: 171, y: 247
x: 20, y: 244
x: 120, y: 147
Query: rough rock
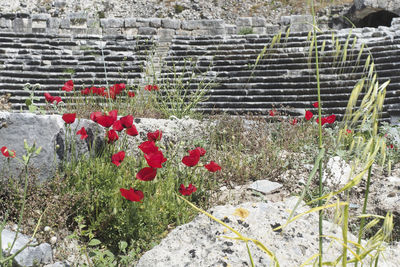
x: 388, y: 196
x: 265, y: 186
x: 336, y: 173
x: 173, y: 130
x: 30, y: 256
x: 48, y: 132
x: 200, y: 242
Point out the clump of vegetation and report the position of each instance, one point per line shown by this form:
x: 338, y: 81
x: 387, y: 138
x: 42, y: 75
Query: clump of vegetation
x: 178, y: 8
x: 245, y: 31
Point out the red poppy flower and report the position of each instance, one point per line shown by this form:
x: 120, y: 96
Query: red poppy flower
x: 188, y: 190
x: 132, y: 131
x: 116, y: 89
x: 155, y: 159
x: 117, y: 158
x: 68, y: 86
x: 150, y: 87
x: 105, y: 121
x: 323, y: 121
x: 132, y: 194
x: 272, y: 112
x: 315, y: 104
x: 348, y: 131
x: 117, y: 126
x: 113, y: 113
x: 331, y: 119
x: 148, y: 147
x: 8, y: 153
x: 83, y: 133
x: 212, y: 167
x: 48, y: 97
x: 155, y: 136
x: 192, y: 159
x: 85, y: 91
x: 69, y: 118
x: 293, y: 122
x: 127, y: 121
x: 94, y: 115
x: 112, y: 136
x: 57, y: 99
x: 201, y: 150
x: 309, y: 115
x: 131, y: 94
x: 147, y: 174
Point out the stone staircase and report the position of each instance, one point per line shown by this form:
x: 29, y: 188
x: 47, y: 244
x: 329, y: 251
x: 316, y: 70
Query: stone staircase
x: 284, y: 79
x: 51, y: 60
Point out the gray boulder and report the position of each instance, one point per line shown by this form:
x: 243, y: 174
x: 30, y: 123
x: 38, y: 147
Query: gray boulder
x: 30, y: 256
x: 48, y: 132
x: 201, y: 242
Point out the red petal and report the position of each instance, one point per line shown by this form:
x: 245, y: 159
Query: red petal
x: 212, y: 167
x: 69, y: 118
x: 148, y: 147
x: 146, y: 174
x: 127, y: 121
x: 132, y: 131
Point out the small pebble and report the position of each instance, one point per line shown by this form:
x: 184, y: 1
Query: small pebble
x: 47, y: 229
x: 53, y: 240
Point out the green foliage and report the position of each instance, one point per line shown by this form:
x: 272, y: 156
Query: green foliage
x: 175, y: 97
x: 110, y: 218
x: 178, y: 8
x: 30, y: 101
x: 245, y: 31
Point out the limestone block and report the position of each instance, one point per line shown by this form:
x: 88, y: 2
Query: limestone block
x: 201, y: 242
x: 259, y: 30
x: 64, y: 23
x: 130, y: 23
x: 258, y: 21
x: 171, y: 23
x: 147, y: 31
x: 155, y: 22
x: 230, y: 29
x: 166, y: 35
x: 5, y: 23
x: 48, y: 132
x: 142, y: 22
x: 244, y: 22
x: 53, y: 23
x: 30, y: 256
x: 22, y: 25
x: 190, y: 25
x: 112, y: 23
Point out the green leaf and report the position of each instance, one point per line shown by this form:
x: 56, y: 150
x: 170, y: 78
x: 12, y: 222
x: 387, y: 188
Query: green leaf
x: 28, y: 102
x: 38, y: 150
x: 123, y: 245
x: 94, y: 242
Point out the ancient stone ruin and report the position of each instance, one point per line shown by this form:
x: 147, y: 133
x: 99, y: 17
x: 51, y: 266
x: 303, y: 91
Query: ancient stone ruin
x: 39, y: 49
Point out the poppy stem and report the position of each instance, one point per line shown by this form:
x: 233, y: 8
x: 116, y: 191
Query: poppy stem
x: 320, y: 193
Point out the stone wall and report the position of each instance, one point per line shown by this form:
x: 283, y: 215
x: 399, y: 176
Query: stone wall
x: 165, y: 29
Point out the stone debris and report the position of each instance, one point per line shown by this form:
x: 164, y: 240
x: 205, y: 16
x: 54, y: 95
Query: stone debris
x: 265, y: 186
x: 201, y: 242
x: 336, y: 173
x: 30, y: 256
